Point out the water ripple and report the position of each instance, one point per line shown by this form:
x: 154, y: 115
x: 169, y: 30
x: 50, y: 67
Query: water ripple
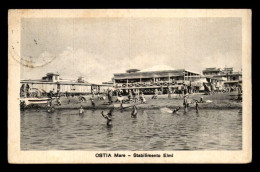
x: 151, y: 130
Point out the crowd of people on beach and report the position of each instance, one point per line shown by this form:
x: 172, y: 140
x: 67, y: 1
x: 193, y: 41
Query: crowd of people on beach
x: 132, y: 97
x: 211, y: 88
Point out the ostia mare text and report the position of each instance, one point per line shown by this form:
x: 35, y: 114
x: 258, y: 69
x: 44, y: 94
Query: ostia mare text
x: 135, y: 155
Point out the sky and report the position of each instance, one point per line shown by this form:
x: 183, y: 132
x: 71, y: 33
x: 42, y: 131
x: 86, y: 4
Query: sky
x: 96, y: 48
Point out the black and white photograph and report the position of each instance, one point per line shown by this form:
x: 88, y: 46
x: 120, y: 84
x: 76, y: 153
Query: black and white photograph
x: 130, y: 84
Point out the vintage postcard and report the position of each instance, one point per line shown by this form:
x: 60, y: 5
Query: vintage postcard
x: 129, y: 86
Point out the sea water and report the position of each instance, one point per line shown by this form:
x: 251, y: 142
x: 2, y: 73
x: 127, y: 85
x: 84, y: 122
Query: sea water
x: 151, y: 130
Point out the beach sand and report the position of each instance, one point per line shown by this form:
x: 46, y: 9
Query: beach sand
x: 218, y: 101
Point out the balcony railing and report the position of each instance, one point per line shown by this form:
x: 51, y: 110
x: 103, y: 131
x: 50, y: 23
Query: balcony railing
x: 148, y: 84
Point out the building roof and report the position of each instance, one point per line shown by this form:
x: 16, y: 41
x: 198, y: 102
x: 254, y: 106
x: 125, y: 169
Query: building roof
x: 59, y: 82
x: 157, y: 68
x: 108, y: 82
x: 212, y: 70
x: 228, y: 68
x: 37, y: 82
x: 34, y: 80
x: 230, y: 74
x: 235, y: 73
x: 132, y: 70
x: 149, y: 74
x: 51, y: 74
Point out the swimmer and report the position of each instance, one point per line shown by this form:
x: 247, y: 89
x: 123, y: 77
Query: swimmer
x: 110, y: 113
x: 176, y: 110
x: 109, y: 119
x: 134, y: 112
x: 185, y: 103
x: 49, y: 108
x: 93, y: 103
x: 197, y: 107
x: 109, y: 122
x: 81, y: 110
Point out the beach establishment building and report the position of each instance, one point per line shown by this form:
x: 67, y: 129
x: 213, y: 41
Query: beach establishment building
x: 226, y: 76
x: 53, y: 82
x: 157, y: 77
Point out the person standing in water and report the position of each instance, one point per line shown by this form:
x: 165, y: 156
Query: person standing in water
x: 169, y: 92
x: 49, y: 108
x: 201, y: 100
x: 197, y: 106
x: 81, y: 110
x: 109, y: 95
x: 185, y: 103
x: 134, y: 112
x: 110, y: 113
x: 93, y: 103
x: 108, y: 117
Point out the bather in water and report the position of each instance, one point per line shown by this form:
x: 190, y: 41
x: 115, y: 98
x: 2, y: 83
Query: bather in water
x: 93, y: 103
x: 176, y: 110
x: 81, y: 110
x: 134, y: 112
x: 108, y: 117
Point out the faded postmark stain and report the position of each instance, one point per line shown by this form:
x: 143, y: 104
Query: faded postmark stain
x: 29, y: 61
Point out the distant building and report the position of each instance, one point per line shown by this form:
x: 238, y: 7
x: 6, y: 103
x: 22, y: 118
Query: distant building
x: 227, y: 70
x: 53, y: 82
x: 211, y: 71
x: 81, y: 79
x: 157, y: 77
x: 51, y: 77
x: 233, y: 79
x: 225, y: 75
